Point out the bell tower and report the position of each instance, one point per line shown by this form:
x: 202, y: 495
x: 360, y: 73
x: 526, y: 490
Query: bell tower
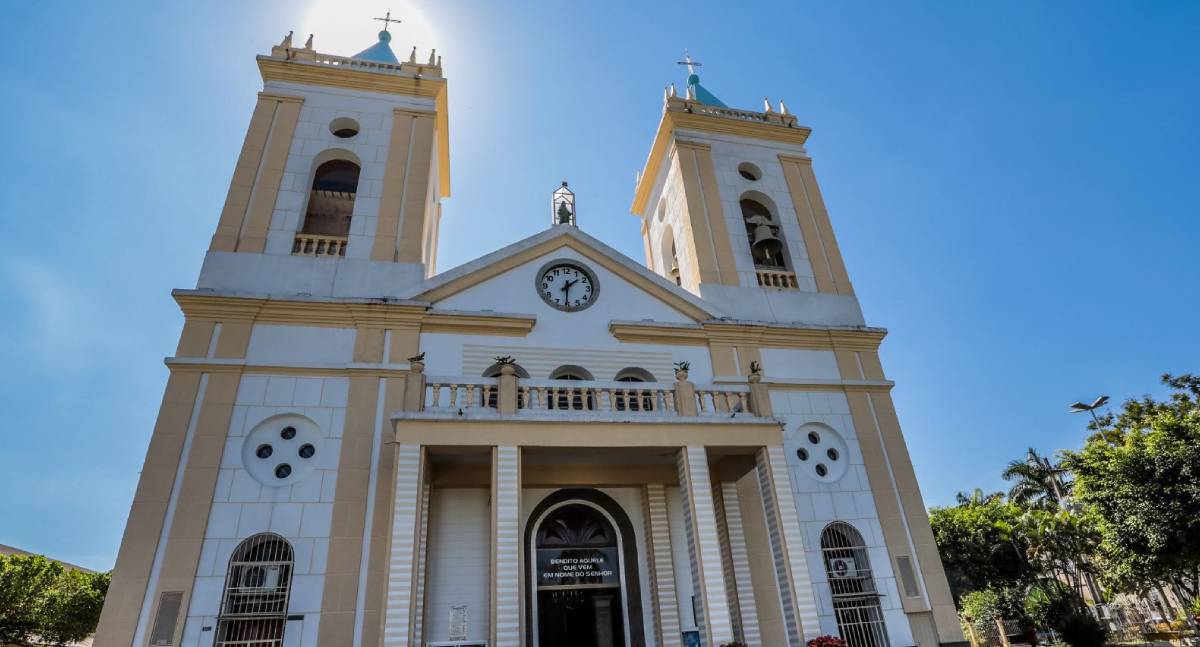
x: 337, y: 190
x: 731, y: 211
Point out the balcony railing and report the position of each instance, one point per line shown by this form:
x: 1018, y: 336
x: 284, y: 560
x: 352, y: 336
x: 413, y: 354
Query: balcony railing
x: 576, y: 397
x: 603, y: 397
x: 772, y: 278
x: 320, y: 245
x: 449, y: 394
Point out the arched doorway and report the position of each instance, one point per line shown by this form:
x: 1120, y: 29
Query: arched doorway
x: 583, y: 586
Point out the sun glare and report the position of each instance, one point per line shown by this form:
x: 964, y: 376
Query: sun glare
x: 346, y: 27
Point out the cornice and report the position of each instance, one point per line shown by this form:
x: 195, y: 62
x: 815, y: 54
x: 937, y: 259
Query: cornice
x: 673, y: 120
x: 273, y: 69
x: 749, y: 334
x: 349, y: 314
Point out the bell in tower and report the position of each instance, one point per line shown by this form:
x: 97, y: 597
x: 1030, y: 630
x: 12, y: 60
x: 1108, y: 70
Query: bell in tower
x: 563, y: 206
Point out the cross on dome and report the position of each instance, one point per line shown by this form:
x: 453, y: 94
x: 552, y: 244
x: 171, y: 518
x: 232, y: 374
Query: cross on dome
x: 691, y: 64
x: 387, y: 18
x: 696, y: 91
x: 381, y: 51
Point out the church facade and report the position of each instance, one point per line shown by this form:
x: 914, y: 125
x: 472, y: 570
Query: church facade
x: 552, y: 445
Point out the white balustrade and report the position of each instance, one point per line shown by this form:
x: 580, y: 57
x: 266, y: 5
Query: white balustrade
x: 617, y: 398
x: 453, y: 394
x: 568, y: 397
x: 773, y: 278
x: 320, y: 245
x: 715, y: 400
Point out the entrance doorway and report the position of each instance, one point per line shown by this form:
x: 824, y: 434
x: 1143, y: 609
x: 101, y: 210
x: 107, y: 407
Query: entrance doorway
x: 583, y: 578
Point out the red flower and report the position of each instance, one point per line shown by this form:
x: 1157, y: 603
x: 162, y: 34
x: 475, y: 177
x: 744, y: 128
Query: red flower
x: 826, y: 641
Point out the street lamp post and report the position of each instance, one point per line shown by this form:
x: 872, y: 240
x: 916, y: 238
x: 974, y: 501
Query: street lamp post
x: 1079, y: 407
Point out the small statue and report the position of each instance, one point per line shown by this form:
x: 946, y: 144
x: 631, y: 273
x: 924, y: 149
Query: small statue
x: 419, y: 357
x: 308, y: 43
x: 755, y: 367
x: 505, y: 360
x: 287, y: 40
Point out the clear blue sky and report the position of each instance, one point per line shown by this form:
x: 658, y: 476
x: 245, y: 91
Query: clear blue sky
x: 1014, y: 186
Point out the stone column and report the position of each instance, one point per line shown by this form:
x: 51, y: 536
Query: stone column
x: 787, y: 547
x: 662, y: 567
x: 506, y: 387
x: 760, y: 396
x: 704, y: 550
x: 685, y: 394
x: 403, y: 602
x: 506, y: 569
x: 737, y: 563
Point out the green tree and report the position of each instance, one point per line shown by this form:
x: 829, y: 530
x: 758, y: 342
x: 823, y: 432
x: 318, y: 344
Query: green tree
x: 43, y: 601
x: 73, y: 607
x: 1037, y: 481
x: 1058, y: 543
x: 1139, y: 474
x: 980, y: 544
x: 24, y: 581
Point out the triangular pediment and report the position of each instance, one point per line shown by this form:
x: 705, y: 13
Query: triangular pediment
x: 470, y: 276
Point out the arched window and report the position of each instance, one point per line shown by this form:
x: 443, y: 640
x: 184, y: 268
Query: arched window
x: 633, y: 401
x: 575, y: 398
x: 254, y: 607
x: 855, y: 598
x: 668, y: 256
x: 331, y: 201
x: 764, y: 235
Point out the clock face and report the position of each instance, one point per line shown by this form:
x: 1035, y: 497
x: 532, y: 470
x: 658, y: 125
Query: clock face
x: 567, y: 285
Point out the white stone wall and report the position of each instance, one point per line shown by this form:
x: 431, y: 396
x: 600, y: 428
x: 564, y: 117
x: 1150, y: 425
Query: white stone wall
x: 299, y: 512
x: 684, y: 589
x: 848, y: 498
x: 668, y: 205
x: 290, y: 345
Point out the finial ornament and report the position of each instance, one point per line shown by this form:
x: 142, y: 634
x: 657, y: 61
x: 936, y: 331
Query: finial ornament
x: 308, y: 43
x: 387, y: 20
x: 767, y: 105
x: 432, y: 56
x: 783, y: 108
x: 287, y: 40
x: 563, y: 206
x: 412, y: 58
x: 673, y: 92
x: 691, y: 64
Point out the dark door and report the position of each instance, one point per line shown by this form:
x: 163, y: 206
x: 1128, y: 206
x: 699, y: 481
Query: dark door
x: 578, y: 571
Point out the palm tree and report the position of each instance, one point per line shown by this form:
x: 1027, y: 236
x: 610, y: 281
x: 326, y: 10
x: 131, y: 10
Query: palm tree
x: 976, y: 498
x: 1037, y: 481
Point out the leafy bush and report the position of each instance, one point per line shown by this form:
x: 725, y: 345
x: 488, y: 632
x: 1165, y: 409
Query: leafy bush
x: 1048, y: 601
x: 1079, y: 628
x: 1054, y: 605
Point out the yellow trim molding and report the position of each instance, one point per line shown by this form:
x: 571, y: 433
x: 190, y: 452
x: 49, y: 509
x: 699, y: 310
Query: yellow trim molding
x: 341, y: 314
x: 748, y: 334
x: 527, y: 432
